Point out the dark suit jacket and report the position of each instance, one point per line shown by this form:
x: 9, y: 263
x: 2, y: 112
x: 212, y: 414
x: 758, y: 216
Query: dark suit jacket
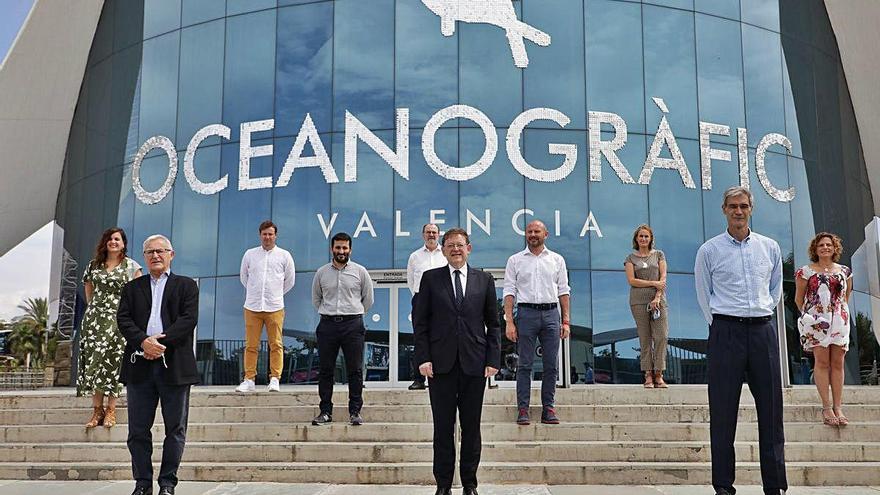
x: 180, y: 312
x: 444, y: 332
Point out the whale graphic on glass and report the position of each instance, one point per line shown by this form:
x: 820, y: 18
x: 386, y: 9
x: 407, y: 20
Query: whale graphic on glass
x: 499, y: 13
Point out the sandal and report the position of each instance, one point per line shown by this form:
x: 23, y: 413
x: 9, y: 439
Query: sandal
x: 833, y: 420
x: 97, y: 417
x: 649, y: 380
x: 658, y: 381
x: 109, y: 417
x: 841, y: 419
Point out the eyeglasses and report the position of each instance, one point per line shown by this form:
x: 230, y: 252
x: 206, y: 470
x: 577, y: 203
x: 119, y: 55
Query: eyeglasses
x: 150, y: 252
x: 455, y: 246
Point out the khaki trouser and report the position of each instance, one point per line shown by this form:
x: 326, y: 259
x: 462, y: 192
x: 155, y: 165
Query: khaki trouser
x: 253, y: 330
x: 652, y: 336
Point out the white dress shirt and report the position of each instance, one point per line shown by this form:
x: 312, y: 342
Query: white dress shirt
x: 266, y: 276
x: 420, y: 261
x: 537, y: 279
x: 157, y: 291
x: 463, y: 276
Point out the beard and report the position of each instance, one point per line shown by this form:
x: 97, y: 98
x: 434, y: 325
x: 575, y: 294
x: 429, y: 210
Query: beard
x: 341, y: 258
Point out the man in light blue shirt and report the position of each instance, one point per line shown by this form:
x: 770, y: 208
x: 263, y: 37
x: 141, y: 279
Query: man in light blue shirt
x: 738, y: 277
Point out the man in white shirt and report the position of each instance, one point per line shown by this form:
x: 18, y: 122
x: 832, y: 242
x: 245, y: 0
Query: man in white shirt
x: 421, y: 260
x: 267, y: 273
x: 536, y: 279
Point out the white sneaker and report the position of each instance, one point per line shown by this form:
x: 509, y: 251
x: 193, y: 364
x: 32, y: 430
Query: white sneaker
x: 246, y: 386
x: 274, y: 386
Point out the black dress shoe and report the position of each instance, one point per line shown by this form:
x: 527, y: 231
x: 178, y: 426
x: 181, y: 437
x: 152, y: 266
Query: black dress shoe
x: 322, y: 419
x: 142, y: 490
x: 469, y: 491
x: 443, y: 491
x: 166, y: 490
x: 417, y: 385
x: 723, y: 491
x: 356, y: 419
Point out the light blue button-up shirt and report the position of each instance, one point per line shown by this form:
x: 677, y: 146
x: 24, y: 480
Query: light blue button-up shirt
x: 738, y: 278
x: 157, y: 288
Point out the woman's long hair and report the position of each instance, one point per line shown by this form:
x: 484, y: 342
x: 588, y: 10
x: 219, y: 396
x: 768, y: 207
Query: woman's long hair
x: 101, y: 248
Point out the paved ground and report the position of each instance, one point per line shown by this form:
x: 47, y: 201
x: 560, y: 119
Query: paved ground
x: 195, y: 488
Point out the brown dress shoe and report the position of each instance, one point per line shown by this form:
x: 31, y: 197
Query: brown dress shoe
x: 97, y: 417
x: 109, y: 417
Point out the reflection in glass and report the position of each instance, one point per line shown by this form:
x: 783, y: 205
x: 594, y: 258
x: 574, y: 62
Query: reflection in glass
x: 158, y: 109
x: 615, y: 340
x: 249, y: 80
x: 201, y: 81
x: 719, y: 73
x: 377, y: 321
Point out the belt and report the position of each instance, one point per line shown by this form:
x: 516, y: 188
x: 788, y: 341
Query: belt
x: 541, y: 306
x: 748, y: 320
x: 338, y: 318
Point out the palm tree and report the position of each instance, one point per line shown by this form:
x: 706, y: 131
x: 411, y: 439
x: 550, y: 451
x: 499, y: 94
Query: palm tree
x: 29, y: 329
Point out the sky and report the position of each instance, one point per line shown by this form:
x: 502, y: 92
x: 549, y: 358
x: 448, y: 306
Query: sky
x: 24, y: 271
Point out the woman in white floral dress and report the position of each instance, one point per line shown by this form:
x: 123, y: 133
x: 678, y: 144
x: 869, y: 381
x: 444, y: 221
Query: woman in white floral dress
x: 822, y: 295
x: 101, y: 344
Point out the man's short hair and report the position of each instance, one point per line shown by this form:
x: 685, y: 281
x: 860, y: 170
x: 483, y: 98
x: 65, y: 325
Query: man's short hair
x: 426, y: 226
x: 266, y: 224
x: 737, y: 191
x: 341, y: 236
x: 158, y: 237
x: 456, y: 231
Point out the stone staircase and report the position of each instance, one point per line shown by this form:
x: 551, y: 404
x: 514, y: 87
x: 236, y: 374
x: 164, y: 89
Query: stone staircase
x: 622, y: 435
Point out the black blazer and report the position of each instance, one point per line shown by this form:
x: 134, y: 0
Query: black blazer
x: 180, y: 313
x: 444, y: 332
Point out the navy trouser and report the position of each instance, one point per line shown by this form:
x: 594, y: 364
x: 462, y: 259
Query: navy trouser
x: 417, y: 376
x: 142, y: 401
x: 739, y: 349
x: 541, y: 325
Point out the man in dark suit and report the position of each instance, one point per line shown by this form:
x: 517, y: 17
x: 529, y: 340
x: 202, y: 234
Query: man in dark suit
x: 457, y: 338
x: 157, y: 316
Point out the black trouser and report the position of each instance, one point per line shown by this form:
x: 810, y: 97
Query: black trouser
x: 349, y: 335
x: 142, y: 400
x: 417, y: 376
x: 738, y: 349
x: 450, y: 392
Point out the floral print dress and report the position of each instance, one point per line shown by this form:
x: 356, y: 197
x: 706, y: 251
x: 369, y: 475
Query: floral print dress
x: 825, y: 318
x: 101, y: 344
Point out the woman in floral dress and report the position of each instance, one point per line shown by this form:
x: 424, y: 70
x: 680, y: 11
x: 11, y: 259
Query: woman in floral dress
x: 823, y: 289
x: 101, y: 344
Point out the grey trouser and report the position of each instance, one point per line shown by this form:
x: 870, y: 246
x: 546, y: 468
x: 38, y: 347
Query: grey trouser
x: 652, y: 336
x: 531, y: 325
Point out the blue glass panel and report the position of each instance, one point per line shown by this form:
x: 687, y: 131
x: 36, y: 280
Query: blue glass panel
x: 201, y: 81
x: 426, y: 71
x: 205, y: 328
x: 803, y: 225
x: 670, y: 71
x: 363, y: 65
x: 124, y: 107
x: 615, y: 340
x: 678, y: 4
x: 724, y: 175
x: 304, y: 71
x: 720, y: 73
x: 234, y: 7
x: 102, y: 42
x: 722, y: 8
x: 125, y: 218
x: 229, y: 312
x: 800, y: 104
x: 238, y: 230
x: 412, y: 202
x: 762, y: 63
x: 161, y: 16
x: 616, y: 222
x: 771, y: 217
x: 615, y: 76
x: 196, y: 11
x: 194, y: 226
x: 295, y: 209
x: 354, y: 200
x: 581, y: 346
x: 568, y: 197
x: 249, y: 81
x: 155, y: 218
x: 500, y: 189
x: 111, y: 188
x: 676, y: 212
x: 763, y: 13
x: 128, y: 24
x: 158, y: 109
x: 93, y: 209
x: 300, y: 317
x: 98, y: 117
x: 484, y: 55
x: 555, y: 76
x: 688, y: 332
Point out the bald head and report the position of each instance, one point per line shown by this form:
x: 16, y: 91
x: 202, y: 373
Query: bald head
x: 536, y: 232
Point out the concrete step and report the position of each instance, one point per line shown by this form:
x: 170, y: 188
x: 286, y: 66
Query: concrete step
x: 423, y: 432
x: 307, y: 396
x: 422, y: 414
x: 396, y: 452
x: 824, y: 473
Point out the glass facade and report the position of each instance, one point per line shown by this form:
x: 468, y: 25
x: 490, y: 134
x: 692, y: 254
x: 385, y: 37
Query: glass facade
x: 171, y: 67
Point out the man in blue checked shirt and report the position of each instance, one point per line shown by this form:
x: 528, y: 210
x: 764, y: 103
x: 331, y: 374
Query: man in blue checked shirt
x: 738, y: 277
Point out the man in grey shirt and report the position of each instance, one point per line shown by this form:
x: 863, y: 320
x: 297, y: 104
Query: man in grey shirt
x: 341, y: 292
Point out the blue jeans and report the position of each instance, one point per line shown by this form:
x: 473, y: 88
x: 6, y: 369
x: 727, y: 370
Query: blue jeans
x: 536, y: 325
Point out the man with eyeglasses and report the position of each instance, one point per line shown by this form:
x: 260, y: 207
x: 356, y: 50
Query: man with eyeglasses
x: 157, y: 316
x: 421, y: 260
x: 458, y: 346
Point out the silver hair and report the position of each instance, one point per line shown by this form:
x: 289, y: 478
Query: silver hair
x: 737, y: 191
x: 155, y: 237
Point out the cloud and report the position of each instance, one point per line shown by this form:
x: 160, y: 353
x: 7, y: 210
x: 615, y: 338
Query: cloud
x: 24, y: 271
